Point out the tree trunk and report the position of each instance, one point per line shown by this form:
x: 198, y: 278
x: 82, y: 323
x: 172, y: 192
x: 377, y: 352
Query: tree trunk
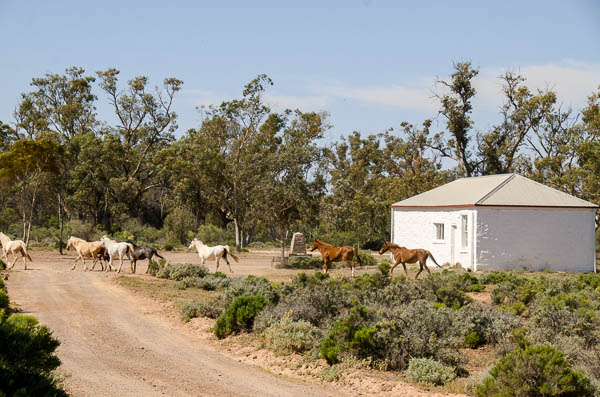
x: 30, y: 219
x: 60, y: 225
x: 237, y: 234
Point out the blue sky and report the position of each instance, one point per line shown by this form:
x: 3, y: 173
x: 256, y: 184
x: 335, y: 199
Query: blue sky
x: 371, y: 64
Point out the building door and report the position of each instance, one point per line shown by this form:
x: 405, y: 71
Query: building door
x: 452, y: 244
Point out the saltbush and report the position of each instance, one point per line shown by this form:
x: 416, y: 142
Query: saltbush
x: 302, y: 262
x: 535, y: 370
x: 417, y: 329
x: 178, y: 272
x: 429, y: 372
x: 201, y: 309
x: 288, y: 336
x: 490, y: 324
x: 239, y: 316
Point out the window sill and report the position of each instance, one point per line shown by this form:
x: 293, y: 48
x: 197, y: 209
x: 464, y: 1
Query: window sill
x: 439, y: 241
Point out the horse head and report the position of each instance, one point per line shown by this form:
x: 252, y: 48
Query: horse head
x: 192, y: 243
x: 70, y: 243
x: 315, y: 245
x: 384, y: 247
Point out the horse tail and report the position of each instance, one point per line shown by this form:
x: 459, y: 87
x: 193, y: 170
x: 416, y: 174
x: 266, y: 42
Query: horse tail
x: 157, y: 254
x: 227, y: 251
x: 355, y: 250
x: 131, y: 250
x: 433, y: 259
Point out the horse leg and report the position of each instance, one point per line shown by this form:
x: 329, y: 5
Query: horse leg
x: 75, y: 262
x: 15, y: 261
x: 24, y: 263
x: 425, y: 266
x: 351, y: 264
x: 120, y: 263
x: 420, y: 270
x: 226, y: 261
x: 325, y: 264
x: 405, y: 271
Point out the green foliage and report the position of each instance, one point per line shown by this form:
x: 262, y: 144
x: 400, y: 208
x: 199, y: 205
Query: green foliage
x: 239, y: 316
x: 429, y: 372
x: 178, y: 272
x: 350, y: 334
x: 474, y: 339
x: 288, y: 336
x: 300, y: 262
x: 3, y: 299
x: 535, y: 370
x: 156, y: 268
x: 27, y: 358
x: 366, y: 258
x: 213, y: 235
x: 207, y: 283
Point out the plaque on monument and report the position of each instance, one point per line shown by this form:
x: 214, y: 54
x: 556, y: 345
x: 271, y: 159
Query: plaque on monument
x: 298, y: 246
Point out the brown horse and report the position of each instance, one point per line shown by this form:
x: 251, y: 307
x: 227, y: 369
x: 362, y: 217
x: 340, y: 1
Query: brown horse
x: 335, y: 254
x: 404, y: 255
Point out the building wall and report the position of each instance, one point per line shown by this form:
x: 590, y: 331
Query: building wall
x: 415, y: 228
x: 561, y: 239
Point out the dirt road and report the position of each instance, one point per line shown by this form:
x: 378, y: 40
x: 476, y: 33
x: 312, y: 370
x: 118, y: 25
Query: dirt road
x: 116, y: 344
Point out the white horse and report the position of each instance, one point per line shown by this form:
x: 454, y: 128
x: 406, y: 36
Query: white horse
x: 212, y: 253
x: 14, y: 247
x: 120, y: 249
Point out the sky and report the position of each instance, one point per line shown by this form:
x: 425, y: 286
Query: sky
x: 370, y: 64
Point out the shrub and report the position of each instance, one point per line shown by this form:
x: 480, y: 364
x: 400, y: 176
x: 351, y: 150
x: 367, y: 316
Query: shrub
x: 168, y: 247
x: 475, y: 288
x: 27, y: 357
x: 180, y: 271
x: 351, y: 334
x: 366, y: 258
x: 3, y: 299
x: 492, y: 325
x: 429, y: 372
x: 212, y: 282
x: 534, y: 370
x: 298, y: 262
x: 250, y: 285
x: 474, y: 339
x: 287, y: 336
x: 417, y: 329
x: 239, y: 316
x: 156, y: 268
x: 212, y: 235
x: 201, y: 309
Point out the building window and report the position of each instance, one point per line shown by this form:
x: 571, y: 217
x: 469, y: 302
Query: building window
x: 439, y: 231
x: 464, y: 231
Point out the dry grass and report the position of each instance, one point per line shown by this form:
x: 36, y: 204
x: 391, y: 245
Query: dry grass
x: 165, y: 290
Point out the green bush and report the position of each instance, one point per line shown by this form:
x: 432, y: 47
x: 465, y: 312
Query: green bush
x: 239, y: 316
x: 366, y: 258
x: 351, y: 334
x: 474, y: 339
x: 288, y: 336
x: 27, y: 358
x: 250, y: 285
x: 429, y: 372
x: 3, y: 299
x: 475, y: 288
x: 178, y: 272
x: 156, y: 268
x: 535, y: 370
x: 299, y: 262
x: 213, y: 235
x: 492, y: 325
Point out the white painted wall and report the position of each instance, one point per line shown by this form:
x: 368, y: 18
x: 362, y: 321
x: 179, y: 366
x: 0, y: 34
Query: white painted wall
x: 414, y: 228
x: 561, y: 239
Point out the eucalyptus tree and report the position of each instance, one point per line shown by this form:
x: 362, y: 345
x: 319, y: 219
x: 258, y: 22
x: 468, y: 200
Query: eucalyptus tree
x: 28, y: 167
x: 292, y: 184
x: 146, y: 123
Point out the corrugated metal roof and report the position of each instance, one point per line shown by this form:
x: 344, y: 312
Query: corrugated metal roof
x: 497, y: 190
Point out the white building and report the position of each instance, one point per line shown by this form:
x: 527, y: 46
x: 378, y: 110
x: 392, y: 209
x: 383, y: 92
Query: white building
x: 499, y: 222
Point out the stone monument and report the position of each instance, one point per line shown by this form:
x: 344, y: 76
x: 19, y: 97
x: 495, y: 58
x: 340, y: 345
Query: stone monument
x: 298, y: 246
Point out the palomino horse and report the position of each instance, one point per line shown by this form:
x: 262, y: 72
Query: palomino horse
x: 404, y: 255
x: 14, y: 247
x: 140, y: 253
x: 86, y: 250
x: 336, y: 254
x: 119, y: 249
x: 217, y: 252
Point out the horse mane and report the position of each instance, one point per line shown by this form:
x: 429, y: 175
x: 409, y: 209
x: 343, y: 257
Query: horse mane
x: 393, y: 245
x: 321, y: 242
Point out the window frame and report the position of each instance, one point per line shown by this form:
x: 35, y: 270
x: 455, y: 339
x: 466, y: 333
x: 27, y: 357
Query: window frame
x: 440, y: 226
x: 464, y: 232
